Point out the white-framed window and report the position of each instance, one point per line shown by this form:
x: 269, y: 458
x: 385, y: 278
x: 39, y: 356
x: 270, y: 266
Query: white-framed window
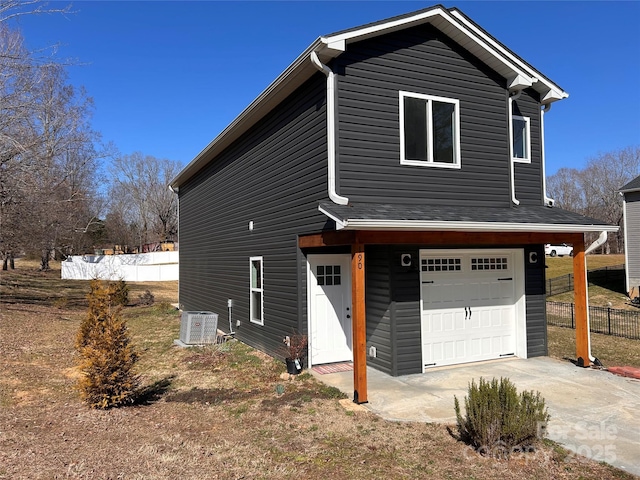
x: 256, y: 302
x: 429, y: 130
x: 521, y: 144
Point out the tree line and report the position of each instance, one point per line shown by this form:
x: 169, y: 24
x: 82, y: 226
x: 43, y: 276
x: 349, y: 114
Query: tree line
x: 594, y: 191
x: 56, y: 195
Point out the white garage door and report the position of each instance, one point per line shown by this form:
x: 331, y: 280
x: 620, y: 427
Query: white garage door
x: 468, y: 310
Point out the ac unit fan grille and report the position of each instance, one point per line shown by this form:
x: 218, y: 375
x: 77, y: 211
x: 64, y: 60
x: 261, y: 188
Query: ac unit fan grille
x: 197, y: 328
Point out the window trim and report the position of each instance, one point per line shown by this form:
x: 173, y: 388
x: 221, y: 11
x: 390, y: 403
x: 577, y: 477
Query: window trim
x: 253, y: 290
x: 527, y: 128
x: 456, y: 133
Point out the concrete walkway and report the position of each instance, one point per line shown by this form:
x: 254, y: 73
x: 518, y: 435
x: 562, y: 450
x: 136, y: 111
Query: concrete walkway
x: 593, y: 413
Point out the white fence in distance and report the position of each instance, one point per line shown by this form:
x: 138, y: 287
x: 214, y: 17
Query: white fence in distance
x: 141, y: 267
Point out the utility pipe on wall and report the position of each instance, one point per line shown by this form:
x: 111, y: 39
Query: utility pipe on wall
x: 331, y: 130
x: 512, y: 175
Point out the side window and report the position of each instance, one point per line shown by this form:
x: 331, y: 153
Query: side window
x: 429, y: 130
x: 256, y: 300
x: 521, y: 144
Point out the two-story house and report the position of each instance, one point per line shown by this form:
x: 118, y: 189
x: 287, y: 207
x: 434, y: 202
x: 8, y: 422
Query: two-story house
x: 386, y: 196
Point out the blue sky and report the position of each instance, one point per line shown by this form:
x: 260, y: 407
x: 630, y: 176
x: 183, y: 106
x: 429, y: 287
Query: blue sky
x: 168, y: 76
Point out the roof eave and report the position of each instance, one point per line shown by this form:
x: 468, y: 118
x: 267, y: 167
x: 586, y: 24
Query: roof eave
x: 406, y: 225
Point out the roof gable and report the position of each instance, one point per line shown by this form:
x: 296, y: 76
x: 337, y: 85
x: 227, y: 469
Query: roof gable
x: 451, y: 22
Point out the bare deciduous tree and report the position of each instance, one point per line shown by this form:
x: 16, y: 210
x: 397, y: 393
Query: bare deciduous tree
x: 141, y: 182
x: 594, y: 190
x: 47, y: 156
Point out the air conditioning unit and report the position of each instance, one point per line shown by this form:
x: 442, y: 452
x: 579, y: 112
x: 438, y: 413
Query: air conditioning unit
x: 198, y: 328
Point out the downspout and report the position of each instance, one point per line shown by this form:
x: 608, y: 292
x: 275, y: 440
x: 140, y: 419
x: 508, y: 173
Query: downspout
x: 549, y: 202
x: 600, y: 241
x: 331, y: 130
x: 512, y: 174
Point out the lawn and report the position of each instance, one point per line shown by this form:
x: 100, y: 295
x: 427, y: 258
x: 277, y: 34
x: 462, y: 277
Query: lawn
x: 603, y: 291
x: 213, y: 413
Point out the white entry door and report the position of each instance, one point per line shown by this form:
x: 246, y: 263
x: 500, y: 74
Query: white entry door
x: 329, y: 305
x: 468, y: 306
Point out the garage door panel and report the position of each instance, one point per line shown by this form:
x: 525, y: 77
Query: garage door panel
x: 468, y: 313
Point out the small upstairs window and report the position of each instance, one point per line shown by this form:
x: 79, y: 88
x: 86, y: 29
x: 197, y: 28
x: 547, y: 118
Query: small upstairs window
x: 521, y: 146
x: 429, y: 130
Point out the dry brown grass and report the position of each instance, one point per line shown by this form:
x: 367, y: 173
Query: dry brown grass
x: 611, y: 351
x: 211, y: 413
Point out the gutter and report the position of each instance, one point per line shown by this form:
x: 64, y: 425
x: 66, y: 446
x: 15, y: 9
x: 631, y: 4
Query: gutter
x: 331, y: 130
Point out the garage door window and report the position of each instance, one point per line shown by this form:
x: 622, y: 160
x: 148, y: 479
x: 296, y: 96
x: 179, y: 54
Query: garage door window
x: 441, y: 264
x: 489, y: 263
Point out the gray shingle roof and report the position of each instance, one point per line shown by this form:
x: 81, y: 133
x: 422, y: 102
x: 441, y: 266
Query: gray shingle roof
x: 537, y: 218
x: 632, y: 186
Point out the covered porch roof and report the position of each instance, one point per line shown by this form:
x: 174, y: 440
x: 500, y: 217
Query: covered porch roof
x: 424, y: 217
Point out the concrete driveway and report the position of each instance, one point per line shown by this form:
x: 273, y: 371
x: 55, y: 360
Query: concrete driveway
x: 593, y: 413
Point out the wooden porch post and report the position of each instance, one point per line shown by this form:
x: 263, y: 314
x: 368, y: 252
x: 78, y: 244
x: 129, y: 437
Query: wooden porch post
x: 359, y: 324
x: 580, y: 297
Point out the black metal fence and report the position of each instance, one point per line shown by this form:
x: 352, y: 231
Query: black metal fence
x: 564, y: 283
x: 610, y: 321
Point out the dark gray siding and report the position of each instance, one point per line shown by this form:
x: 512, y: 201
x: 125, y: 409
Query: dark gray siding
x: 632, y: 242
x: 378, y: 302
x: 393, y: 310
x: 534, y: 287
x: 274, y: 176
x: 528, y: 176
x: 405, y: 298
x: 422, y: 60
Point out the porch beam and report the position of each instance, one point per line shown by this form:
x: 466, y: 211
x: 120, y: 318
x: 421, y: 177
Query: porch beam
x: 446, y: 238
x: 435, y: 238
x: 326, y: 239
x: 581, y: 303
x: 358, y: 324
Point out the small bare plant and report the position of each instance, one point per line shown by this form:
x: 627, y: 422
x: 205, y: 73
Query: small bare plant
x: 294, y: 346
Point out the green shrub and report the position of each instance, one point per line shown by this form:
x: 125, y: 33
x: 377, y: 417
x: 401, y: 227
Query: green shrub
x: 498, y: 420
x: 120, y: 293
x: 106, y: 356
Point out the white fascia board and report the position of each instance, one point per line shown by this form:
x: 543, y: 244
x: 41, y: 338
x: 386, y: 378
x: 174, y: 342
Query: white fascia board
x: 374, y: 30
x: 363, y: 224
x: 504, y: 52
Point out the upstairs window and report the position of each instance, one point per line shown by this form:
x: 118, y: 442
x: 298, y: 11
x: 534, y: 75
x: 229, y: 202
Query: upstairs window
x: 521, y: 146
x: 429, y: 130
x: 256, y: 300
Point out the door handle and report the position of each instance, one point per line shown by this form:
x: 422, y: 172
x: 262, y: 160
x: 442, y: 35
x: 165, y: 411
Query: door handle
x: 466, y: 313
x: 348, y: 316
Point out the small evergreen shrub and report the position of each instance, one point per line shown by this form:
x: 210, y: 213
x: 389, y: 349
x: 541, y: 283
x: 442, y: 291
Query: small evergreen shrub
x: 498, y: 420
x: 106, y: 356
x: 120, y: 293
